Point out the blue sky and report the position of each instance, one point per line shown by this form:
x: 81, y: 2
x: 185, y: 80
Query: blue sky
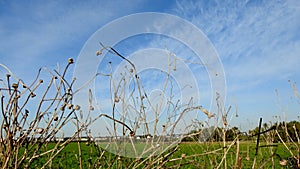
x: 258, y: 43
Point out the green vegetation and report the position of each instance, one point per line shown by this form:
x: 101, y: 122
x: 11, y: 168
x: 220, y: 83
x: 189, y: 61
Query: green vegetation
x: 188, y: 155
x: 209, y: 155
x: 288, y: 132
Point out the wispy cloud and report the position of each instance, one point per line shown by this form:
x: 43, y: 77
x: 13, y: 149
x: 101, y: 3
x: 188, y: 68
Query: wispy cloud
x: 258, y: 42
x: 51, y: 32
x: 254, y: 39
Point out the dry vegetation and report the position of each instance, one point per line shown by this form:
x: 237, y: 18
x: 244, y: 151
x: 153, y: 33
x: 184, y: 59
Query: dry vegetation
x: 33, y: 117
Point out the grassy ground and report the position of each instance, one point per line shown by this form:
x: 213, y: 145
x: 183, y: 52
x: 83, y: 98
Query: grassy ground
x: 210, y: 155
x: 188, y: 155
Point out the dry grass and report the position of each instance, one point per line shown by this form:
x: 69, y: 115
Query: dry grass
x: 34, y: 117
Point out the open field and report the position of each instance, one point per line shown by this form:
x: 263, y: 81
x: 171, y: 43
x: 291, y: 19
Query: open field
x: 209, y: 155
x: 187, y: 155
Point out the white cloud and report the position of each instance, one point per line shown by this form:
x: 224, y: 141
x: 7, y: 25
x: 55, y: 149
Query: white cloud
x: 256, y: 40
x: 259, y: 44
x: 51, y: 32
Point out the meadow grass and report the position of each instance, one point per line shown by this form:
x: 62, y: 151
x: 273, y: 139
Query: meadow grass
x: 209, y: 155
x: 188, y: 155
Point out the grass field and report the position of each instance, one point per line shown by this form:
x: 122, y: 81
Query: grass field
x: 187, y: 155
x: 210, y: 155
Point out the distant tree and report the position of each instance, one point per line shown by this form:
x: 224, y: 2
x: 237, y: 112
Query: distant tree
x: 265, y: 126
x: 191, y: 136
x: 216, y: 135
x: 288, y: 131
x: 253, y: 131
x: 232, y: 133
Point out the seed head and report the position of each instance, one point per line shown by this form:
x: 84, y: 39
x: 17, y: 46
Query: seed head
x: 70, y: 60
x: 92, y: 108
x: 33, y: 95
x: 131, y: 133
x: 70, y: 106
x: 15, y: 85
x: 99, y: 52
x: 77, y: 107
x: 55, y: 118
x: 40, y: 130
x: 117, y: 99
x: 19, y: 128
x: 62, y: 108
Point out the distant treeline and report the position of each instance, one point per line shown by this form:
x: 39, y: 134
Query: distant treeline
x: 287, y: 131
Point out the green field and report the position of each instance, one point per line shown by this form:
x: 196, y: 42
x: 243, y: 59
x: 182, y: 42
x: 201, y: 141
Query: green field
x: 187, y: 155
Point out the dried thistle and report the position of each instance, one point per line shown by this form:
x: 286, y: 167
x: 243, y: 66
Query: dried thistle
x: 70, y: 61
x: 55, y: 118
x: 19, y: 128
x: 77, y: 107
x: 39, y: 130
x: 92, y: 108
x: 99, y: 52
x: 33, y: 95
x: 62, y: 108
x: 132, y: 134
x: 69, y: 106
x: 117, y: 99
x: 15, y: 85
